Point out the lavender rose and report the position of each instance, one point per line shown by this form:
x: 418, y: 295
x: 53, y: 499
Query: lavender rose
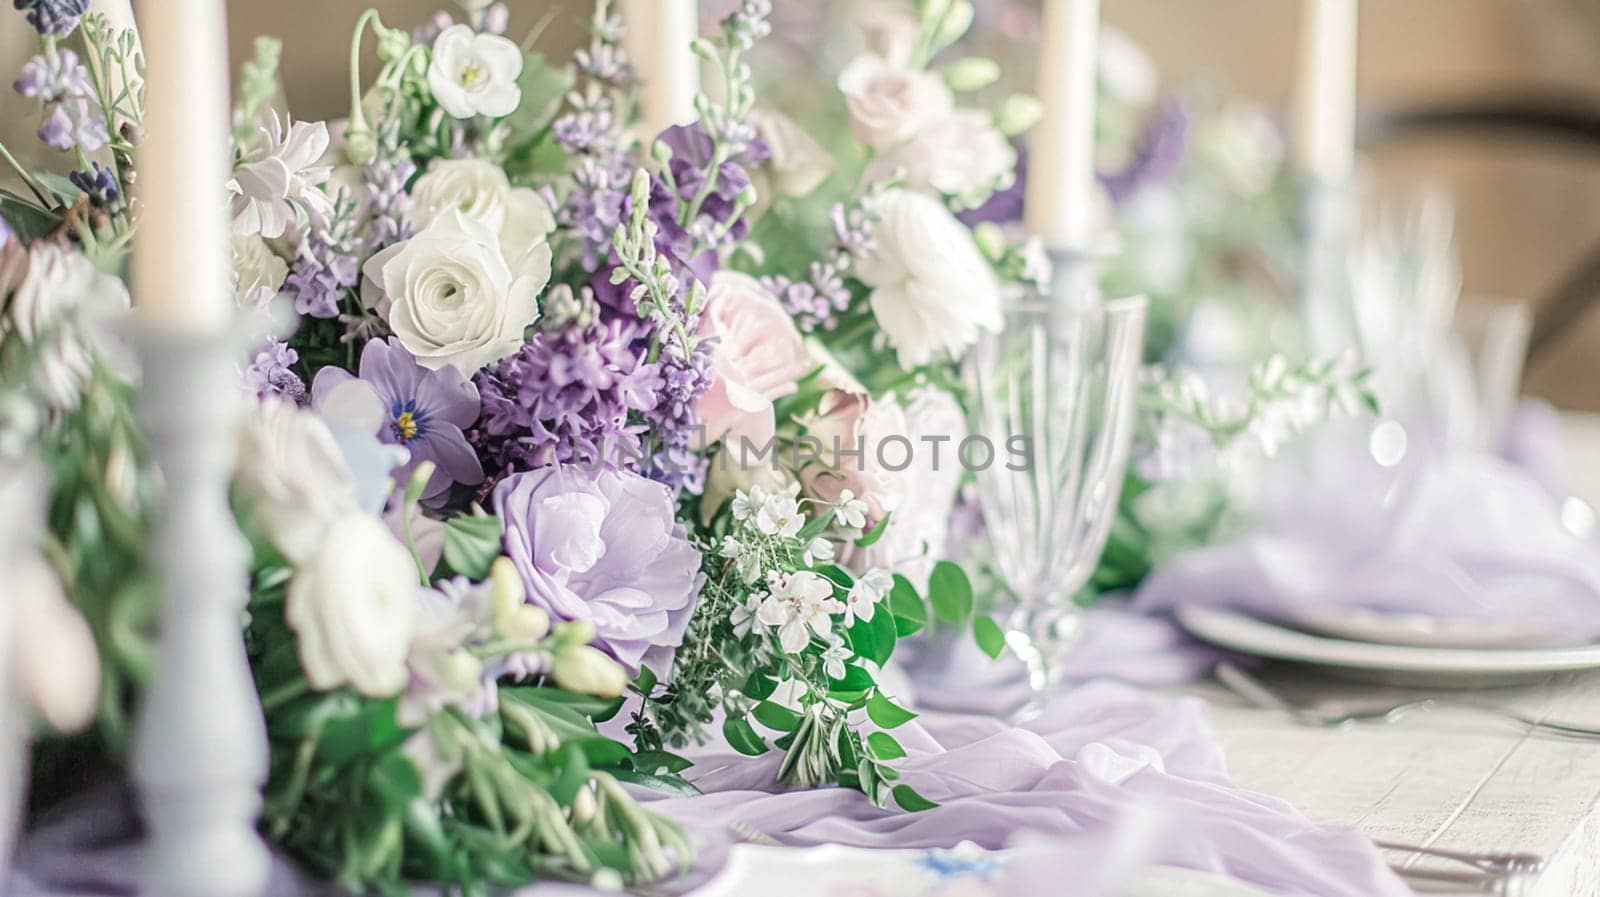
x: 603, y: 546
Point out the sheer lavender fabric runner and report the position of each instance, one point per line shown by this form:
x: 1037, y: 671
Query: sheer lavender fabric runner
x: 1108, y: 774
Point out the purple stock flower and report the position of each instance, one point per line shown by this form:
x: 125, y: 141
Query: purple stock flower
x: 58, y: 17
x: 271, y: 373
x: 690, y: 166
x: 425, y: 411
x: 603, y: 546
x: 319, y: 276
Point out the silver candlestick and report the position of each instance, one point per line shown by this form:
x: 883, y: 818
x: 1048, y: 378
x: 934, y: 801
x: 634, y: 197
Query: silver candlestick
x: 200, y: 754
x: 1327, y: 221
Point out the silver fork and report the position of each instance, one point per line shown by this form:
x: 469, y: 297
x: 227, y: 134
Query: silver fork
x: 1253, y: 690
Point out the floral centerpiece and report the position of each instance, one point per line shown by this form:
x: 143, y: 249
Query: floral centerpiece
x: 552, y: 425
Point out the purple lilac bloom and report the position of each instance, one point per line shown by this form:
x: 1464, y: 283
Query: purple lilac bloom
x: 73, y: 123
x: 53, y: 77
x: 271, y: 373
x: 57, y: 17
x: 603, y: 546
x: 566, y: 397
x: 387, y: 201
x: 1159, y: 150
x: 676, y: 422
x: 98, y: 183
x: 690, y: 167
x: 425, y: 411
x: 595, y: 206
x: 320, y: 275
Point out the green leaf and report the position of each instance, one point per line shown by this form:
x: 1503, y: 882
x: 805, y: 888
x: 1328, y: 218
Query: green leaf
x: 471, y: 543
x: 986, y: 632
x: 872, y: 536
x: 645, y: 682
x: 887, y: 713
x: 855, y: 679
x: 673, y: 785
x: 573, y: 766
x: 742, y: 736
x: 884, y: 746
x: 909, y: 610
x: 60, y: 185
x: 909, y: 800
x: 660, y: 762
x: 759, y: 687
x: 950, y: 592
x: 543, y: 86
x: 604, y: 753
x: 840, y: 576
x: 776, y: 716
x: 28, y: 220
x: 556, y: 699
x: 874, y: 639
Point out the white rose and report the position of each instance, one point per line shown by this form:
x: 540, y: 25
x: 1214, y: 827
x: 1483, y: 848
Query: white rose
x: 890, y: 103
x: 798, y: 162
x: 962, y: 156
x: 352, y: 605
x: 294, y: 476
x: 258, y: 272
x: 932, y: 291
x: 475, y: 74
x: 61, y: 308
x: 451, y: 296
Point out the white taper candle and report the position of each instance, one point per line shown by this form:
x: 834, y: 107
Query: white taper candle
x: 1060, y: 197
x: 659, y: 35
x: 1325, y: 102
x: 182, y: 261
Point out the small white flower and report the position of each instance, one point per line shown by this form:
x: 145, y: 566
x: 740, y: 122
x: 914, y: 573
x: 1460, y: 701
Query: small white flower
x: 731, y: 547
x: 747, y: 501
x: 475, y: 74
x: 747, y: 616
x: 258, y: 272
x: 799, y: 605
x: 865, y: 594
x: 851, y: 512
x: 820, y: 551
x: 834, y: 657
x: 780, y: 516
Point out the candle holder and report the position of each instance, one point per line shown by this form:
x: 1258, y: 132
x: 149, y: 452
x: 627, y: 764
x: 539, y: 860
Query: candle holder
x: 1062, y: 378
x: 1327, y: 215
x: 200, y: 755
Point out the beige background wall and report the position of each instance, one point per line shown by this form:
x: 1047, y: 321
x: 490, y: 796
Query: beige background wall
x: 1525, y: 216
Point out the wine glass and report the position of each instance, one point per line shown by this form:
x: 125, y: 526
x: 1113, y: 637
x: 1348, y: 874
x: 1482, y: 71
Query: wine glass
x: 1058, y: 386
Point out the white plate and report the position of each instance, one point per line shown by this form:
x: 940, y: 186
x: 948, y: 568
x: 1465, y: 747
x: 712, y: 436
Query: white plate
x: 834, y: 870
x: 1423, y: 631
x: 1399, y: 664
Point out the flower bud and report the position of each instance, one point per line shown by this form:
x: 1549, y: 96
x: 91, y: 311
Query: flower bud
x: 360, y: 146
x: 575, y: 632
x: 392, y: 43
x: 1018, y: 113
x: 991, y: 240
x: 524, y: 624
x: 459, y: 672
x: 584, y: 804
x: 505, y: 587
x: 586, y: 670
x: 971, y: 73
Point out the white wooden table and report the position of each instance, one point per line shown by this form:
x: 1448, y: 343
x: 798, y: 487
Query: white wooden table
x: 1445, y: 778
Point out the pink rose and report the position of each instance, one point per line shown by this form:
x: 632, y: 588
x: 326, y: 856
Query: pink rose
x: 861, y: 445
x: 759, y: 356
x: 890, y: 103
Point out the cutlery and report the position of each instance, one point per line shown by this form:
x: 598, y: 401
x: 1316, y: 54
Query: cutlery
x: 1253, y: 690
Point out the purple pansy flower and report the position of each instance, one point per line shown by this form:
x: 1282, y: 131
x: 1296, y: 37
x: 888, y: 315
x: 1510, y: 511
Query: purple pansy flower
x: 425, y: 411
x: 604, y: 546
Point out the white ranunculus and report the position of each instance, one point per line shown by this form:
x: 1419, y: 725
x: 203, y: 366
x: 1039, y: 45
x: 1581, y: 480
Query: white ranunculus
x: 962, y: 156
x: 294, y: 476
x: 451, y: 295
x: 258, y: 272
x: 278, y: 182
x: 475, y: 74
x: 480, y: 191
x: 932, y: 290
x: 352, y: 604
x: 890, y: 103
x: 61, y: 308
x: 798, y: 162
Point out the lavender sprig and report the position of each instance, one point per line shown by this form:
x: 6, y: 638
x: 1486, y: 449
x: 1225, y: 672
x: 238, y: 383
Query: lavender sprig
x: 816, y: 302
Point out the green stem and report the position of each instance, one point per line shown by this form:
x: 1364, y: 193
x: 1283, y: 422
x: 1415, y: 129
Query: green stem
x: 27, y: 177
x: 358, y: 119
x: 283, y: 694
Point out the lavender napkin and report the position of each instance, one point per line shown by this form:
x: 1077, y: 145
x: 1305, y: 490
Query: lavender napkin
x: 1466, y: 536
